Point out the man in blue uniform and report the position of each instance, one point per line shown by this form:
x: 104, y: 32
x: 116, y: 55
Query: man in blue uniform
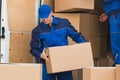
x: 112, y: 11
x: 52, y: 31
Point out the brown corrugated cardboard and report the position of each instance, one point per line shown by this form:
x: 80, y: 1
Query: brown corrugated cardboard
x: 77, y: 74
x: 99, y: 46
x: 50, y: 3
x: 73, y: 5
x: 99, y: 73
x: 70, y: 57
x: 90, y: 26
x: 21, y: 15
x: 13, y: 71
x: 98, y: 7
x: 19, y: 47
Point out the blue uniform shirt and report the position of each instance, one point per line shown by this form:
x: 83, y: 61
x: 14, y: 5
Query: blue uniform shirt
x: 45, y: 36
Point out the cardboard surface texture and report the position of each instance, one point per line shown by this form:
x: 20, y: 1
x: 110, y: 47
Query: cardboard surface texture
x: 21, y: 15
x: 73, y: 5
x: 14, y: 71
x: 70, y: 57
x: 99, y: 73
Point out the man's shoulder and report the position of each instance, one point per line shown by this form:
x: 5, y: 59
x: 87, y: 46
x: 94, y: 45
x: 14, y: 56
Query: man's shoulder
x: 36, y: 29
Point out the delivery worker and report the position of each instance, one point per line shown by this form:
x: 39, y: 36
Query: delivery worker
x: 52, y: 31
x: 112, y: 12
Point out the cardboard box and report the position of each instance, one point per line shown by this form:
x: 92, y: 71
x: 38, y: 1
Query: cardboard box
x: 99, y: 46
x: 118, y: 72
x: 66, y: 58
x: 99, y: 73
x: 77, y: 74
x: 21, y: 15
x: 73, y: 5
x: 91, y: 26
x: 14, y: 71
x: 50, y: 3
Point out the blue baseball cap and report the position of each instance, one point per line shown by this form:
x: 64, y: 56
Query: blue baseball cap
x: 44, y: 11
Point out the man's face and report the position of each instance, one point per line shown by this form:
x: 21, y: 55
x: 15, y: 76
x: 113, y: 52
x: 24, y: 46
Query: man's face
x: 47, y: 20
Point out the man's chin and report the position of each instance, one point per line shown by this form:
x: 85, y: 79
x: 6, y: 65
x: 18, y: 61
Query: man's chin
x: 46, y: 23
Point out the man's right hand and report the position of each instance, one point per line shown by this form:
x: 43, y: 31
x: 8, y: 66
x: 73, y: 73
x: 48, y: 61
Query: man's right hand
x: 103, y: 17
x: 44, y: 56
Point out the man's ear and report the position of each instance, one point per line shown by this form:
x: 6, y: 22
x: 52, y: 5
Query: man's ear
x: 51, y: 13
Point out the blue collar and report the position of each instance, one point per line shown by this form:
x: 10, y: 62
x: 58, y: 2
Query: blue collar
x: 55, y: 21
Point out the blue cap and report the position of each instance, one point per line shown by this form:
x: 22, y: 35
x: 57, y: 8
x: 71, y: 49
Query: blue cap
x: 44, y: 11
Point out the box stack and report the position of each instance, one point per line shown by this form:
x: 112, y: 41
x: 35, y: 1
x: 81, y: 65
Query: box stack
x: 83, y: 15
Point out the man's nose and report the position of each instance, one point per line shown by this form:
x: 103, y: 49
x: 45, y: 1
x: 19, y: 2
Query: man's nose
x: 45, y: 19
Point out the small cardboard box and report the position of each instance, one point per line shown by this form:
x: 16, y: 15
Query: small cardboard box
x: 66, y: 58
x: 22, y: 71
x: 73, y: 5
x: 99, y: 73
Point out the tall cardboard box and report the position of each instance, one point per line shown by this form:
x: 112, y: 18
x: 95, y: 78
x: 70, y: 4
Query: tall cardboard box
x: 14, y: 71
x: 73, y: 5
x: 99, y: 46
x: 66, y: 58
x: 99, y: 73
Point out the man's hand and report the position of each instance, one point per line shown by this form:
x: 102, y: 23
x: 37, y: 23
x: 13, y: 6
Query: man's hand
x: 44, y: 56
x: 103, y: 17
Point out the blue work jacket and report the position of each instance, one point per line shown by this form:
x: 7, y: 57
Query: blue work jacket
x: 44, y: 36
x: 111, y: 5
